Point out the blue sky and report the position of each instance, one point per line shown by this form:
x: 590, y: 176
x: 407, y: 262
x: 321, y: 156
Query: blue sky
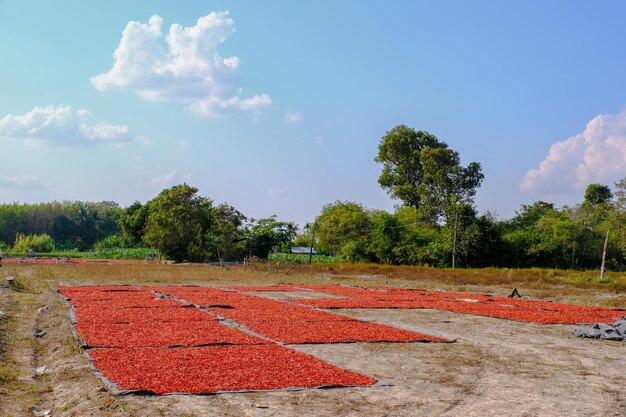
x: 278, y: 107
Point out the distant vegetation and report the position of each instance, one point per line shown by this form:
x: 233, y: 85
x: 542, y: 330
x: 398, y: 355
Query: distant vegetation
x: 303, y: 258
x: 436, y: 224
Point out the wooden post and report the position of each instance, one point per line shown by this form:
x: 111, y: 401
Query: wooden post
x: 454, y: 239
x: 312, y: 243
x: 606, y: 242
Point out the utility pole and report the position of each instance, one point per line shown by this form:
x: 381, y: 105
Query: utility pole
x: 456, y: 218
x: 454, y: 239
x: 606, y: 242
x: 312, y: 243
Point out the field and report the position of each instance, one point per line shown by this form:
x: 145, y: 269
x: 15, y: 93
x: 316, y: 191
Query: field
x: 495, y: 366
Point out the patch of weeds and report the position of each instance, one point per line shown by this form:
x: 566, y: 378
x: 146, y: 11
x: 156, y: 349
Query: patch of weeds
x: 603, y: 280
x: 123, y: 407
x: 20, y: 285
x: 7, y: 376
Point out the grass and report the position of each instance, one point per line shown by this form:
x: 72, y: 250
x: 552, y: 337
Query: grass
x: 546, y: 280
x: 302, y: 258
x: 112, y: 253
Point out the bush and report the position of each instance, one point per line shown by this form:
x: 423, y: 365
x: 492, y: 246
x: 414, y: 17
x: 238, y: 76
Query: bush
x: 302, y: 258
x: 40, y: 243
x: 110, y: 242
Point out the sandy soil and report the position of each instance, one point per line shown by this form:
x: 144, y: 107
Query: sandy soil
x: 496, y: 367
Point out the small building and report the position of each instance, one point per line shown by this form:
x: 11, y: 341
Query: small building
x: 303, y: 250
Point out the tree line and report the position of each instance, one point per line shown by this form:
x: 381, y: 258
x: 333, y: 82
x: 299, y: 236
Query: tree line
x: 435, y: 222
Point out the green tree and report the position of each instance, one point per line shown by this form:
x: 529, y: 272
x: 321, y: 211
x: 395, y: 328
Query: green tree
x: 343, y: 229
x: 446, y: 183
x: 425, y: 173
x: 265, y: 235
x: 179, y: 223
x: 133, y: 221
x: 416, y: 238
x: 597, y: 194
x: 384, y: 237
x: 400, y: 153
x: 228, y: 232
x: 38, y: 243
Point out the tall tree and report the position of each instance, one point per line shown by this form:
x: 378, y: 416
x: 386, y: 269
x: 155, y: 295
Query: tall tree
x: 446, y: 183
x: 400, y: 153
x: 228, y: 232
x: 133, y: 221
x: 264, y: 235
x: 179, y: 224
x: 343, y: 228
x: 597, y: 194
x: 424, y: 172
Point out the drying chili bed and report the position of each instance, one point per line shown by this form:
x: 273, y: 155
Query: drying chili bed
x: 203, y: 340
x: 524, y: 310
x: 290, y: 332
x: 216, y: 369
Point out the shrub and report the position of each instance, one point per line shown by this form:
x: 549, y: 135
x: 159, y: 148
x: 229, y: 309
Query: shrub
x: 40, y: 243
x: 110, y: 242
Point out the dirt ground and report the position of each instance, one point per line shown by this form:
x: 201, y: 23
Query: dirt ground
x: 495, y: 367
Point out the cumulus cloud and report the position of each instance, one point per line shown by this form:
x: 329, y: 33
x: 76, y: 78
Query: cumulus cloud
x: 24, y: 182
x: 597, y: 155
x: 170, y: 178
x: 61, y: 125
x: 182, y: 66
x: 293, y: 117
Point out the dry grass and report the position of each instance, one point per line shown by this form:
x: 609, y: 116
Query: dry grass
x: 565, y: 286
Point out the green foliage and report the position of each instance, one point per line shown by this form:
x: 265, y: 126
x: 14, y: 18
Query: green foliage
x: 110, y: 242
x: 132, y: 222
x: 229, y: 232
x: 400, y: 153
x: 269, y: 234
x: 424, y: 172
x: 39, y: 243
x: 70, y: 224
x: 445, y: 182
x: 179, y: 223
x: 119, y: 253
x: 384, y: 236
x: 302, y: 258
x: 528, y: 215
x: 342, y: 229
x: 596, y: 194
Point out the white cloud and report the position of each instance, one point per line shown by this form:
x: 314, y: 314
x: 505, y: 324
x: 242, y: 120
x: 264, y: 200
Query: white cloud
x: 597, y: 155
x: 142, y: 140
x: 292, y: 118
x: 61, y: 125
x: 275, y: 193
x: 170, y: 178
x: 182, y: 67
x: 24, y: 182
x: 319, y: 140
